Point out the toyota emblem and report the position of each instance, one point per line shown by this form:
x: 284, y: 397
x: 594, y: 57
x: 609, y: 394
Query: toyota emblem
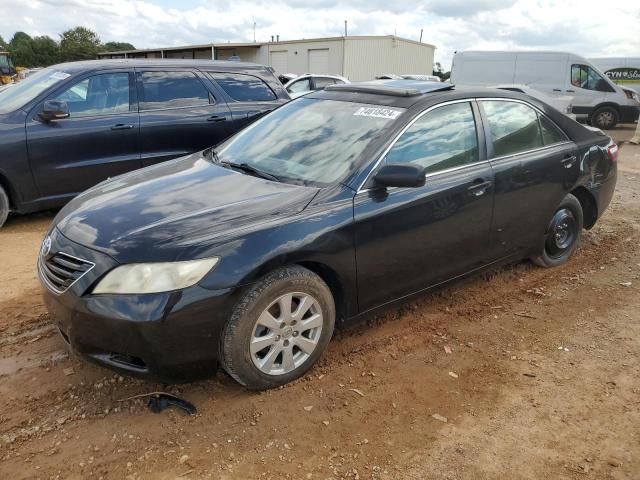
x: 46, y: 247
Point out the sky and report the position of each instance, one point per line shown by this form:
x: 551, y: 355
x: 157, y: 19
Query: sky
x: 589, y: 28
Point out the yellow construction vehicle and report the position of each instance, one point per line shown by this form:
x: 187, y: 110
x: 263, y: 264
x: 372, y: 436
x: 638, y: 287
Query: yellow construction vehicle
x: 8, y: 72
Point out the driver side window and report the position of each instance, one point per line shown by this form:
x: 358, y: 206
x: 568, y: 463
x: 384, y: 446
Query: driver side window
x: 101, y: 94
x: 441, y: 139
x: 583, y: 76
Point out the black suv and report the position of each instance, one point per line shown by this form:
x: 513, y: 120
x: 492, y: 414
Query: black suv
x: 73, y: 125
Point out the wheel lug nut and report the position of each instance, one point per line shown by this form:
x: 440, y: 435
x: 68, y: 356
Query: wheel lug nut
x: 295, y: 334
x: 286, y: 343
x: 277, y: 338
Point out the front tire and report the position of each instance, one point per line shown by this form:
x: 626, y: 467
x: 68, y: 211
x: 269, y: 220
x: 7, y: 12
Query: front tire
x: 562, y: 235
x: 605, y: 118
x: 279, y: 329
x: 4, y: 206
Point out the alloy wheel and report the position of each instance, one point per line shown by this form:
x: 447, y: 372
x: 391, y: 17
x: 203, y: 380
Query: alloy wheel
x: 286, y: 333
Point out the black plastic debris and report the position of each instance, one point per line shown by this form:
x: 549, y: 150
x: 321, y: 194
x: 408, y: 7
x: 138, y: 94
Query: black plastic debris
x: 159, y: 401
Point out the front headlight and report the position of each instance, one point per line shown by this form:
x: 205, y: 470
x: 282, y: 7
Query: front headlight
x: 154, y: 277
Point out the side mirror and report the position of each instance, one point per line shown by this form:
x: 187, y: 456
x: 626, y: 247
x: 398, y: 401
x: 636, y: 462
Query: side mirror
x: 404, y: 175
x: 54, y: 110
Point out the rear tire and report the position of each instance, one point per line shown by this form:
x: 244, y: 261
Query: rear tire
x: 605, y: 118
x: 4, y: 206
x: 562, y: 236
x: 279, y: 329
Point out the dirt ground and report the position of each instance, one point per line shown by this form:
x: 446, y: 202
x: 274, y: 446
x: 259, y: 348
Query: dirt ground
x: 523, y: 373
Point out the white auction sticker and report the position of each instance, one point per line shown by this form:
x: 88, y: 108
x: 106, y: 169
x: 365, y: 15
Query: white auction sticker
x: 378, y: 112
x: 60, y: 75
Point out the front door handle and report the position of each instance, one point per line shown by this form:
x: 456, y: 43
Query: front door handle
x: 479, y: 188
x: 216, y: 118
x: 571, y: 91
x: 557, y: 89
x: 122, y: 126
x: 568, y: 162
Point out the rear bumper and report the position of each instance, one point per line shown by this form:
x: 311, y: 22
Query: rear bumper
x: 604, y: 191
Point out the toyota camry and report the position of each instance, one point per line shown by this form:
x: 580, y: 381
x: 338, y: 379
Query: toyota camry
x: 332, y: 207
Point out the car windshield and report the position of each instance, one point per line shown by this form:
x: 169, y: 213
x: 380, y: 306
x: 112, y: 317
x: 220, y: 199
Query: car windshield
x: 309, y: 141
x: 23, y: 92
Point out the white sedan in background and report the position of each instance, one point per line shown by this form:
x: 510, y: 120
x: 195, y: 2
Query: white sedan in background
x: 310, y: 82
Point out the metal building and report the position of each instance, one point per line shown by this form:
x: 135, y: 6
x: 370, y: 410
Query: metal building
x: 357, y: 58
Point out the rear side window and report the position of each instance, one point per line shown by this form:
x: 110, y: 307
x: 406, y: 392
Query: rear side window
x: 441, y: 139
x: 244, y: 88
x: 514, y: 127
x: 550, y: 132
x: 322, y: 82
x: 160, y: 90
x: 300, y: 86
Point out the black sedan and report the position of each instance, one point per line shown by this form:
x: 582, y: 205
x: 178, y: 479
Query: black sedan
x: 332, y: 207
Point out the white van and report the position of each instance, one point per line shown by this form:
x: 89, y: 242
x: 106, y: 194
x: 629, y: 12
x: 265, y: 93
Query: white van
x: 596, y: 99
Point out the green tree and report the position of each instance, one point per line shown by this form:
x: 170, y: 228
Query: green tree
x: 45, y: 50
x: 21, y: 50
x: 3, y: 45
x: 117, y: 46
x: 79, y: 43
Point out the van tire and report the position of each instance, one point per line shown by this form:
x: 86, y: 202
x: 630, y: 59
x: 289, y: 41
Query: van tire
x: 4, y: 206
x: 605, y: 118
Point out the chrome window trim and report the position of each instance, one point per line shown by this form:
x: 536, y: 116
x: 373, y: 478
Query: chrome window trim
x: 49, y: 285
x: 406, y: 127
x: 489, y: 160
x: 525, y: 152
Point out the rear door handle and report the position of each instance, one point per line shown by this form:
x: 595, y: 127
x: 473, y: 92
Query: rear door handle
x: 479, y: 188
x: 122, y: 126
x: 557, y: 89
x: 216, y: 118
x: 571, y: 91
x: 568, y: 162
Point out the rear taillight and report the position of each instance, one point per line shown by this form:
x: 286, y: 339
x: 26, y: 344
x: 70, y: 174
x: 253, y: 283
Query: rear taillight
x: 612, y: 151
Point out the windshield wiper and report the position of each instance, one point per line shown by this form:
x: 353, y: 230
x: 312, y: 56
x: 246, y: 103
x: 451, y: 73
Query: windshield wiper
x: 245, y: 167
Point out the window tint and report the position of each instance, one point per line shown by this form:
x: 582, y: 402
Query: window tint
x: 583, y: 76
x: 321, y: 82
x: 441, y: 139
x: 102, y: 94
x: 171, y: 89
x: 513, y: 126
x: 550, y: 132
x: 299, y: 86
x: 244, y: 88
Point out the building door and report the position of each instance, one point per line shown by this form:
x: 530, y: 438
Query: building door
x: 319, y: 61
x: 278, y: 61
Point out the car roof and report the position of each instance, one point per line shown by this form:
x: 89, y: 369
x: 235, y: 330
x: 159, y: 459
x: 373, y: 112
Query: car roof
x: 157, y: 62
x: 407, y: 93
x: 393, y: 87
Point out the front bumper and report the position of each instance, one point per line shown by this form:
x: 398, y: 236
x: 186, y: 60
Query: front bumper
x: 629, y: 113
x: 166, y: 337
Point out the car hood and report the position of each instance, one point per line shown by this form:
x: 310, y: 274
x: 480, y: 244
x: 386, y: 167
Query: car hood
x: 176, y: 210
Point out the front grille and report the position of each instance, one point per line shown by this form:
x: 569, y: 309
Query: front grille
x: 60, y: 270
